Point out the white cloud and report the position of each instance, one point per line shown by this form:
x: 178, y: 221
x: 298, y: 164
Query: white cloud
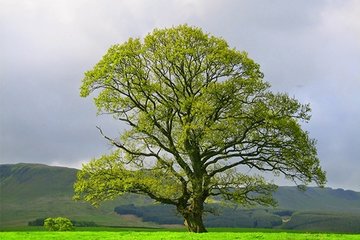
x: 77, y: 164
x: 342, y: 19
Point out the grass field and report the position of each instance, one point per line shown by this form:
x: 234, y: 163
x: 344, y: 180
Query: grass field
x: 129, y: 235
x: 165, y: 234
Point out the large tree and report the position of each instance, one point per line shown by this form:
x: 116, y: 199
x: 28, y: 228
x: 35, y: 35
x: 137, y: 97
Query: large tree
x: 199, y: 116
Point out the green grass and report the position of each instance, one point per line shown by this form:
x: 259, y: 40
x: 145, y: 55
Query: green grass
x: 158, y: 235
x: 136, y: 229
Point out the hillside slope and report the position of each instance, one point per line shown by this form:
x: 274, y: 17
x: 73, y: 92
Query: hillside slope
x: 318, y: 199
x: 30, y: 191
x: 30, y: 181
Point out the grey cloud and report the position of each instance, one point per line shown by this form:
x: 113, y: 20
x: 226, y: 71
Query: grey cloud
x: 46, y: 47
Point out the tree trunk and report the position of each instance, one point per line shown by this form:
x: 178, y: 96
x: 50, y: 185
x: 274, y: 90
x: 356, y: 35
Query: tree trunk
x: 194, y: 223
x: 193, y: 216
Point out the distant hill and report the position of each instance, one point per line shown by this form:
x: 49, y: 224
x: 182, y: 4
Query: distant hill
x: 31, y: 191
x: 318, y: 199
x: 30, y: 181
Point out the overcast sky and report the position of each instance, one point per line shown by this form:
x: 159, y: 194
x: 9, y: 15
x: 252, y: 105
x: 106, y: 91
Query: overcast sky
x: 309, y: 49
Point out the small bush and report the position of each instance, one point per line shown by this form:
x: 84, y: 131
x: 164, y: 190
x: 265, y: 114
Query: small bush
x: 58, y: 224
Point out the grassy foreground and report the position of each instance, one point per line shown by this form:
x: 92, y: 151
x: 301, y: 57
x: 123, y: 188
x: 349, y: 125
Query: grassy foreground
x: 163, y: 235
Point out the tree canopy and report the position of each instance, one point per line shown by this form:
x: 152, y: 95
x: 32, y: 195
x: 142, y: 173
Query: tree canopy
x: 199, y: 116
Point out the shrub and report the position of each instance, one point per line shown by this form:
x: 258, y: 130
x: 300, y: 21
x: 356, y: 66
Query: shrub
x: 58, y: 224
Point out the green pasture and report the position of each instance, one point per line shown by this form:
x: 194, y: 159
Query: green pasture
x: 111, y: 233
x: 159, y: 235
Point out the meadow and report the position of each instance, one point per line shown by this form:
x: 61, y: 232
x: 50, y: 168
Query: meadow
x: 31, y: 192
x: 153, y: 234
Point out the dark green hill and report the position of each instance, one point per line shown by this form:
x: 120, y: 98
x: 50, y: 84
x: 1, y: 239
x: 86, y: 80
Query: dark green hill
x: 31, y: 191
x: 318, y: 199
x: 30, y: 181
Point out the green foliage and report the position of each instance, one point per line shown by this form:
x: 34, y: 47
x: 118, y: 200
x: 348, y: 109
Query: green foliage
x: 196, y: 110
x: 41, y: 221
x: 58, y: 224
